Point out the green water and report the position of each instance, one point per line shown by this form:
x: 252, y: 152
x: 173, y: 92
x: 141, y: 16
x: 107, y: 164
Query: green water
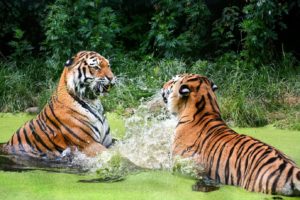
x: 150, y: 185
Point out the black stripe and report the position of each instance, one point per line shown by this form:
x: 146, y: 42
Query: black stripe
x: 214, y: 150
x: 227, y: 169
x: 86, y: 106
x: 202, y: 118
x: 67, y: 128
x: 257, y: 149
x: 193, y: 79
x: 37, y: 137
x: 40, y: 125
x: 26, y: 138
x: 212, y: 103
x: 274, y: 185
x: 210, y: 140
x: 87, y: 124
x: 79, y: 73
x: 47, y: 127
x: 239, y: 159
x: 214, y: 146
x: 106, y: 134
x: 200, y: 106
x: 50, y: 120
x: 260, y: 188
x: 249, y: 153
x: 208, y: 133
x: 255, y: 163
x: 217, y: 174
x: 54, y: 124
x: 32, y: 143
x: 269, y: 161
x: 84, y: 72
x: 57, y: 147
x: 182, y: 122
x: 200, y: 143
x: 21, y: 147
x: 201, y: 132
x: 240, y: 151
x: 289, y: 174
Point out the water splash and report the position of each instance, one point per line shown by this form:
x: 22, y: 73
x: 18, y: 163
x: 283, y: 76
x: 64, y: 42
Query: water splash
x: 147, y: 141
x: 149, y: 135
x: 146, y: 145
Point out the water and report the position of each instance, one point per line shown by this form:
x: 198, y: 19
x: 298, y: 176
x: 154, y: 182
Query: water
x: 147, y: 142
x: 146, y: 146
x: 149, y: 135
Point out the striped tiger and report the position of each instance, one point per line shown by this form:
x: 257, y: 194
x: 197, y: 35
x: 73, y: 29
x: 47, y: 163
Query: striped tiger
x: 227, y: 157
x: 73, y: 117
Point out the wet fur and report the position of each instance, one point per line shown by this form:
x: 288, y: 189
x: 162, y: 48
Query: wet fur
x: 228, y: 157
x: 73, y: 117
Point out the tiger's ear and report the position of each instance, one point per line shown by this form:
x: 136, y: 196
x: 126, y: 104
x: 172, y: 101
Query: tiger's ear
x: 184, y: 90
x: 69, y: 62
x: 214, y: 86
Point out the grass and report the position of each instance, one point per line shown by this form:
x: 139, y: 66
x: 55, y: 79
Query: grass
x: 152, y: 185
x: 248, y: 94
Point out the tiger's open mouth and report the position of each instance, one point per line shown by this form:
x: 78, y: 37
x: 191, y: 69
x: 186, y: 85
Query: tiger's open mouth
x: 106, y: 88
x: 102, y: 89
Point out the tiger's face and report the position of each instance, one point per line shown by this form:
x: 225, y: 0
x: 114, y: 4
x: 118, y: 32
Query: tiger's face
x: 181, y: 88
x: 88, y: 75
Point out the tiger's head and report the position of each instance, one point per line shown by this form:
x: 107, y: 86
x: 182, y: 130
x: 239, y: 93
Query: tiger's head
x: 185, y: 90
x: 88, y: 75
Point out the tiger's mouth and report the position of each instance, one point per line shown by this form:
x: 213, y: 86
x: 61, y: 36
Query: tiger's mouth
x: 102, y: 89
x: 106, y: 88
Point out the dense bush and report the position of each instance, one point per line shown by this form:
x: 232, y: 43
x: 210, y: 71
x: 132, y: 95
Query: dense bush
x: 72, y: 26
x: 23, y: 88
x: 225, y: 30
x: 21, y: 25
x: 178, y: 28
x: 262, y: 19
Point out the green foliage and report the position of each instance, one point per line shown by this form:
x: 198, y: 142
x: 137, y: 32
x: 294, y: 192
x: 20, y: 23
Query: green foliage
x: 289, y: 118
x: 248, y: 95
x: 178, y: 28
x: 20, y: 89
x: 141, y: 39
x: 139, y: 80
x: 21, y: 27
x: 20, y: 45
x: 72, y: 26
x: 225, y: 30
x: 261, y: 20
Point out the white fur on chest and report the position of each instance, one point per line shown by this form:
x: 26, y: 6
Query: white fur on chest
x: 97, y: 120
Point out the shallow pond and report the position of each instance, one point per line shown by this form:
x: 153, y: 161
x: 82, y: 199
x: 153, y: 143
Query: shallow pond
x: 152, y: 184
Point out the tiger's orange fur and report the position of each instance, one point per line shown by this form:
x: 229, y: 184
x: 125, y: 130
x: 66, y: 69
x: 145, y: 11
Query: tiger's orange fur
x: 228, y: 157
x: 73, y: 118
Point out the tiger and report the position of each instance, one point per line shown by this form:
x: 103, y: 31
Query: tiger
x: 226, y: 156
x: 74, y: 117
